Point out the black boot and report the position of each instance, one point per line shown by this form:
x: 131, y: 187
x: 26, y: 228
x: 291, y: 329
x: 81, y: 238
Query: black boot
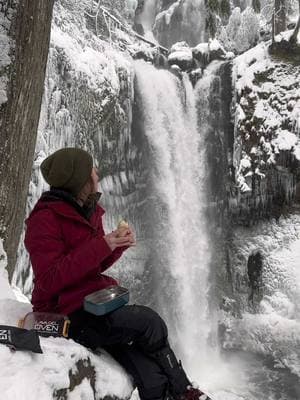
x: 178, y: 380
x: 193, y: 394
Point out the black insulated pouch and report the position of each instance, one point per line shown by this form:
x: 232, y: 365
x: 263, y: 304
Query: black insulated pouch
x: 20, y: 339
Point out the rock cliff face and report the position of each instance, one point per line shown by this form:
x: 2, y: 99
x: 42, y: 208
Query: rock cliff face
x: 254, y: 136
x: 266, y: 144
x: 25, y: 31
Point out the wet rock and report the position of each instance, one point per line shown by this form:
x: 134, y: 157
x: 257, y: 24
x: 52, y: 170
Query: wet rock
x: 254, y: 269
x: 161, y: 61
x: 138, y: 28
x: 83, y: 369
x: 176, y: 70
x: 195, y: 75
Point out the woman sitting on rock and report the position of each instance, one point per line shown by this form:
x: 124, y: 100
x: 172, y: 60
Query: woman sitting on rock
x: 69, y: 252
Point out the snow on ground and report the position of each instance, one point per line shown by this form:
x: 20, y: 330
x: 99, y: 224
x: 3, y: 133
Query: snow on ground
x: 29, y: 376
x: 5, y: 290
x: 275, y: 329
x: 267, y: 104
x: 246, y: 65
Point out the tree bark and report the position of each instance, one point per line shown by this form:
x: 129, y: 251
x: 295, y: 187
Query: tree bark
x: 280, y: 16
x: 293, y: 38
x: 29, y: 34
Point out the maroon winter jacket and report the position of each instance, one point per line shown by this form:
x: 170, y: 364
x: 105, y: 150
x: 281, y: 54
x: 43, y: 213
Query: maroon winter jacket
x: 68, y: 255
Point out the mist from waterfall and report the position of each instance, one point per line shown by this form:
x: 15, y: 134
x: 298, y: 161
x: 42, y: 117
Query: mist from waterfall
x: 178, y: 181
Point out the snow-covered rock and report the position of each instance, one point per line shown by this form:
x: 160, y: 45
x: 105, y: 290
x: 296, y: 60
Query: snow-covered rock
x: 143, y: 51
x: 200, y: 56
x: 65, y: 370
x: 209, y: 51
x: 181, y: 55
x: 266, y: 103
x: 195, y: 75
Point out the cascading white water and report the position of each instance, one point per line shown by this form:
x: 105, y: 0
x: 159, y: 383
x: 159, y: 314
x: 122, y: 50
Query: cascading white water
x: 178, y: 169
x: 147, y: 18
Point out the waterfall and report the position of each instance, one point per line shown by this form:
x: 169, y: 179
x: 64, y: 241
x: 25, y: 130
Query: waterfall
x: 147, y: 18
x: 178, y: 188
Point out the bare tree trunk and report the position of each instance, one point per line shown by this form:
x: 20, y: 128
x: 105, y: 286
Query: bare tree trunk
x: 280, y: 16
x: 29, y: 25
x: 293, y: 38
x: 273, y: 28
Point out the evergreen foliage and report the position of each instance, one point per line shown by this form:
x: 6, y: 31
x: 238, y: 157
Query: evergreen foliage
x: 216, y: 9
x: 256, y: 6
x: 212, y: 5
x: 241, y: 32
x: 225, y: 8
x: 212, y: 8
x: 211, y: 24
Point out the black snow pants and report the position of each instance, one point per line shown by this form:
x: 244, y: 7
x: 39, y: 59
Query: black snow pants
x: 137, y: 337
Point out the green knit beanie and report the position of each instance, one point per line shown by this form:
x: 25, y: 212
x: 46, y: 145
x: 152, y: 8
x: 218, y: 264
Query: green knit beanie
x: 67, y: 169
